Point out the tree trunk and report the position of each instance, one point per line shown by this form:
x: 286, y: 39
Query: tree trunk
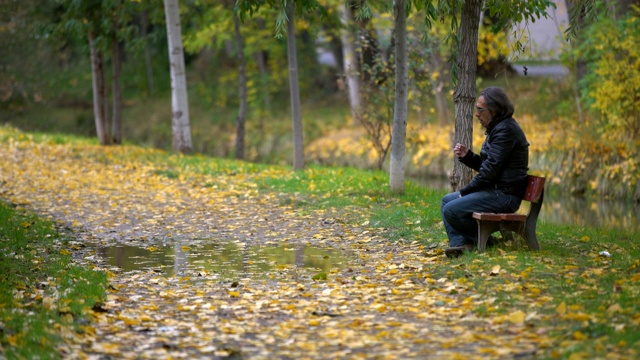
x: 398, y: 135
x: 438, y: 85
x: 263, y: 70
x: 264, y: 82
x: 242, y: 111
x: 147, y: 53
x: 180, y: 126
x: 465, y: 94
x: 351, y: 64
x: 116, y: 116
x: 296, y: 114
x: 99, y: 94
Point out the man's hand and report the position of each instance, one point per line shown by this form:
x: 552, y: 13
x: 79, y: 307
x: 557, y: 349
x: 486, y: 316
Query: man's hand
x: 460, y: 150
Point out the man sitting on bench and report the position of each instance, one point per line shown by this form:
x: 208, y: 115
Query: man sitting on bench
x: 502, y: 167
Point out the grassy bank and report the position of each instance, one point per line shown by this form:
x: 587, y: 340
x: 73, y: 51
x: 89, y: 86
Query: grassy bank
x: 44, y: 297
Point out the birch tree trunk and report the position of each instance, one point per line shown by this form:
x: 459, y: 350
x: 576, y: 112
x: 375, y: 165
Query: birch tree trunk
x: 180, y: 126
x: 296, y: 113
x: 464, y: 96
x: 99, y: 93
x: 116, y: 116
x: 351, y: 65
x: 242, y: 111
x: 398, y: 135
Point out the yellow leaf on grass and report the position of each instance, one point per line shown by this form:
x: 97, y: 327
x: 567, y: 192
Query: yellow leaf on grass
x: 12, y: 340
x: 562, y: 309
x: 614, y: 308
x: 578, y: 356
x: 234, y: 294
x: 578, y: 335
x: 495, y: 270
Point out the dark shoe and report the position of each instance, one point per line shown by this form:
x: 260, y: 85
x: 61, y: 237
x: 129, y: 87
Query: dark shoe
x: 456, y: 251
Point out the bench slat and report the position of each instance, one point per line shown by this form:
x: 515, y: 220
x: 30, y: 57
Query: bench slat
x: 499, y: 216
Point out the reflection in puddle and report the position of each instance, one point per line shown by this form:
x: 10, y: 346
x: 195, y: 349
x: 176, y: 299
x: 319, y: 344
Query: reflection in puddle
x: 226, y: 260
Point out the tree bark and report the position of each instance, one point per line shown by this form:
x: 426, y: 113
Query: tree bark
x: 180, y: 126
x: 438, y: 85
x: 398, y: 135
x: 465, y: 94
x: 99, y: 93
x: 296, y: 113
x: 116, y: 69
x: 242, y: 111
x: 147, y: 52
x: 351, y: 65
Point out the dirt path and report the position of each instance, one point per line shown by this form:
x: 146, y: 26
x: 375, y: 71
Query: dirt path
x: 384, y: 304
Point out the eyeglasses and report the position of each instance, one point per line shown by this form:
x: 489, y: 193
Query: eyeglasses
x: 479, y: 109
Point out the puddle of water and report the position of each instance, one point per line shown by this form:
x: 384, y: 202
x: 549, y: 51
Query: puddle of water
x: 222, y: 260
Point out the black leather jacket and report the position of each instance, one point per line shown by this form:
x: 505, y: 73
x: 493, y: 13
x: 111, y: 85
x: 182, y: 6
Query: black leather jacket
x: 503, y: 161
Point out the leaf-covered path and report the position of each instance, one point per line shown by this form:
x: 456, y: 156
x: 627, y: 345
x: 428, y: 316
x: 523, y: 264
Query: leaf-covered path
x: 385, y: 304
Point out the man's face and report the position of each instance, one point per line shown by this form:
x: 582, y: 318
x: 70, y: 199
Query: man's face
x: 483, y: 113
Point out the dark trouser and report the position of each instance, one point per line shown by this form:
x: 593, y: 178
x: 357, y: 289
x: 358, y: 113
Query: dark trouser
x: 457, y: 212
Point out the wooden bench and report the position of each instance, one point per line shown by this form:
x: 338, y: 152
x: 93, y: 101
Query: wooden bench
x: 522, y: 224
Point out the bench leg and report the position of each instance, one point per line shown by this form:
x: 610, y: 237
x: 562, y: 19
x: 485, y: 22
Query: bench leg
x: 485, y: 229
x: 529, y: 234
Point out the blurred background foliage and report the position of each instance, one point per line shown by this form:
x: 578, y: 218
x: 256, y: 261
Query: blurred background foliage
x: 583, y: 128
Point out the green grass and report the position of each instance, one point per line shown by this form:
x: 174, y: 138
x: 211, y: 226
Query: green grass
x: 41, y: 290
x: 599, y: 293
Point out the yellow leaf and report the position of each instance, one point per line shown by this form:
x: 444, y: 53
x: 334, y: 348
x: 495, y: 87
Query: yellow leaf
x: 12, y: 340
x: 65, y: 252
x: 314, y: 322
x: 614, y: 308
x: 578, y: 356
x: 578, y: 335
x: 562, y: 309
x: 517, y: 317
x: 185, y: 248
x: 128, y: 321
x: 234, y: 294
x: 152, y: 248
x: 495, y: 270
